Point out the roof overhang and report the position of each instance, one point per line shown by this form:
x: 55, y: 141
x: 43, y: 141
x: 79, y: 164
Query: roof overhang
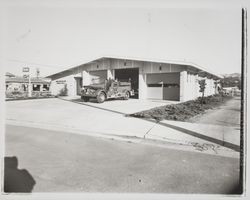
x: 199, y: 68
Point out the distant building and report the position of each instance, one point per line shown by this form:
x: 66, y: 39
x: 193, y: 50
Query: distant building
x: 151, y: 79
x: 9, y: 75
x: 231, y: 91
x: 16, y: 85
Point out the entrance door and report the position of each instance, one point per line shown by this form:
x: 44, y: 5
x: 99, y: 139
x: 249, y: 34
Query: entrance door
x: 78, y: 85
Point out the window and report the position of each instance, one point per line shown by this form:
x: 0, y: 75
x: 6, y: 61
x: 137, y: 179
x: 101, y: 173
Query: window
x: 167, y: 85
x: 36, y: 87
x: 45, y: 87
x: 154, y: 85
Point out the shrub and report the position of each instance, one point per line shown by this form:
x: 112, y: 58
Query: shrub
x: 182, y: 111
x: 63, y: 91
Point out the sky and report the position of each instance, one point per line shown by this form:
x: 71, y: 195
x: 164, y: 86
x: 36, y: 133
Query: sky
x: 55, y: 37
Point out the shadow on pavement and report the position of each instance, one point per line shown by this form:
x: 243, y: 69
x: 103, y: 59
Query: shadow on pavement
x: 228, y: 123
x: 92, y: 106
x: 204, y: 137
x: 16, y: 180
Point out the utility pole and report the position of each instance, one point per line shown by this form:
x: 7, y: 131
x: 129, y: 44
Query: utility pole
x: 37, y: 72
x: 243, y: 120
x: 26, y: 71
x: 29, y: 87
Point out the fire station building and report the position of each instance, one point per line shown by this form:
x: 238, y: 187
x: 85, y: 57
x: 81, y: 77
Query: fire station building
x: 151, y: 79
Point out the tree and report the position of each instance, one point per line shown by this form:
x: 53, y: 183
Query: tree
x: 202, y: 84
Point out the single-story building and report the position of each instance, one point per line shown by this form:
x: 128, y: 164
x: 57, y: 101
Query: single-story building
x: 16, y: 85
x: 151, y: 79
x: 231, y: 91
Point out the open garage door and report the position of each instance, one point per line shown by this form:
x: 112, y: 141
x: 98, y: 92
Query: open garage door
x: 129, y: 74
x: 163, y: 86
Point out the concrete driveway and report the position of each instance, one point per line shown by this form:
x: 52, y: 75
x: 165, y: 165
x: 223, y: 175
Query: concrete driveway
x: 109, y: 120
x: 83, y: 118
x: 123, y: 106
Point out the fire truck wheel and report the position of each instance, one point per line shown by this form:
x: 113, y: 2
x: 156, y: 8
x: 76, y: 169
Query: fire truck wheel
x: 126, y: 97
x: 101, y: 97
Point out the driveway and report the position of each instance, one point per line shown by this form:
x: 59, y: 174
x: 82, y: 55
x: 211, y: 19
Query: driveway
x: 228, y: 115
x: 109, y: 120
x: 123, y: 106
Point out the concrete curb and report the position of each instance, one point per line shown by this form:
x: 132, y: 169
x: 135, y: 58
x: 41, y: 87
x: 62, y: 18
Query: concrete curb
x: 199, y: 147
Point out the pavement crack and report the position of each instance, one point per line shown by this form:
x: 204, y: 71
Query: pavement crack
x: 150, y: 129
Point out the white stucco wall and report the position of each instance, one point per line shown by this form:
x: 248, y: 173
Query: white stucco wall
x: 142, y: 85
x: 209, y: 88
x: 189, y: 86
x: 58, y: 84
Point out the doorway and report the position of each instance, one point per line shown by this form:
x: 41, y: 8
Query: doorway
x: 127, y: 74
x: 78, y: 85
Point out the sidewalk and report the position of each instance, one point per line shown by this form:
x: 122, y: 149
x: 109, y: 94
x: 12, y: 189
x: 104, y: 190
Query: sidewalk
x: 94, y: 121
x: 185, y: 132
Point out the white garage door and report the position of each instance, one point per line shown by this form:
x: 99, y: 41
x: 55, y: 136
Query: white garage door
x: 155, y: 92
x: 163, y: 86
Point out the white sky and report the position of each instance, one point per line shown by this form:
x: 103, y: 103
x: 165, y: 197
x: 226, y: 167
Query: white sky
x: 54, y: 37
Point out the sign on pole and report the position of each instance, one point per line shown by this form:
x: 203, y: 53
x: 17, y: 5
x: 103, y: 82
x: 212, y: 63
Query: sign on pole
x: 26, y: 74
x: 26, y: 69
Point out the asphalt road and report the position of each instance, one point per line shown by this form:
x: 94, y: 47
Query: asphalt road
x: 50, y: 161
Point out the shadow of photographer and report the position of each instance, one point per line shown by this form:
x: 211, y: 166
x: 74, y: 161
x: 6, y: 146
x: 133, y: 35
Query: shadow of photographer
x: 16, y: 180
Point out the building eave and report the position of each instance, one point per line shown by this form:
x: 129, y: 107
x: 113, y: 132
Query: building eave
x: 191, y: 64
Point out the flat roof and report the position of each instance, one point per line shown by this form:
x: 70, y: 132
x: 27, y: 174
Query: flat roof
x: 145, y: 60
x: 26, y: 80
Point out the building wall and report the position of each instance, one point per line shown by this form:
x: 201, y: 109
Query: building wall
x: 98, y: 76
x: 58, y: 84
x: 210, y: 87
x: 105, y: 68
x: 190, y: 88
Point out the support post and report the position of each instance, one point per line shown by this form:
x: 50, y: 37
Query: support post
x: 29, y: 87
x: 183, y: 83
x: 142, y: 85
x: 110, y: 74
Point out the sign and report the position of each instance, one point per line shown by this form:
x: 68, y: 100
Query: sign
x: 26, y: 69
x: 61, y: 81
x: 25, y: 76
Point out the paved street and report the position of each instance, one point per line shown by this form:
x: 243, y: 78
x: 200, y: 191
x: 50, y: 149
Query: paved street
x: 49, y: 148
x: 62, y: 161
